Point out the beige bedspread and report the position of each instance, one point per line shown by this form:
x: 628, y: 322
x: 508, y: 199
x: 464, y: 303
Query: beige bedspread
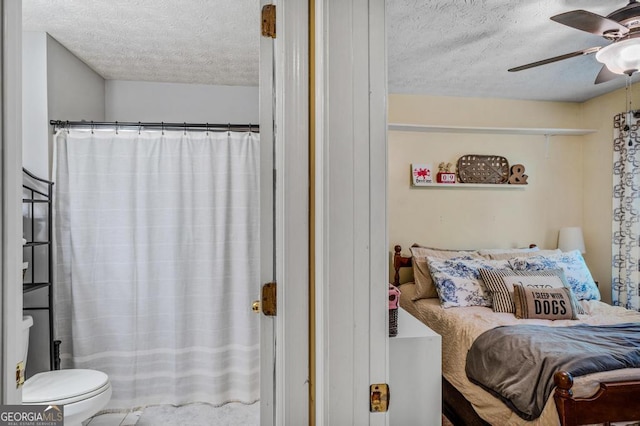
x: 460, y: 326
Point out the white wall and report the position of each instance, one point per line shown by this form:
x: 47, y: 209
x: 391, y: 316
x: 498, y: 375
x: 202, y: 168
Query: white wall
x: 35, y: 123
x: 56, y: 86
x: 75, y: 91
x: 176, y: 102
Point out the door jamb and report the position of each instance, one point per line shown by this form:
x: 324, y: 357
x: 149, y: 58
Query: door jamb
x: 11, y: 190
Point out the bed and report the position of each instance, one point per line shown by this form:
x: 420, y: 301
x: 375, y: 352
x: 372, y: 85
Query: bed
x: 595, y: 398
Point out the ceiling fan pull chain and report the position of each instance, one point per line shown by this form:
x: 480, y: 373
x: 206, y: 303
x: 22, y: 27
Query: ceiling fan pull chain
x: 629, y: 113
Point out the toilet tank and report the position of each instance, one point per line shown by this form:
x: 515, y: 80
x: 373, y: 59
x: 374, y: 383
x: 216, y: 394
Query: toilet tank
x: 27, y: 322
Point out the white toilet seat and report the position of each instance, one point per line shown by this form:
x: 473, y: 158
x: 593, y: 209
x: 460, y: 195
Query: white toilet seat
x: 63, y: 387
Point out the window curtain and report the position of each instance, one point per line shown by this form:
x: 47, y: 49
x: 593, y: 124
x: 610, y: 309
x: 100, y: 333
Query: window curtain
x: 626, y: 223
x: 157, y: 247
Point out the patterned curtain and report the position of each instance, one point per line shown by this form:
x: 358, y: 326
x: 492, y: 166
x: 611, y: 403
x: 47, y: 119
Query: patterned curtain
x: 626, y: 218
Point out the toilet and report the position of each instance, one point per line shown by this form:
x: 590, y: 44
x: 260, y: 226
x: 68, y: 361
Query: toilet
x: 82, y: 392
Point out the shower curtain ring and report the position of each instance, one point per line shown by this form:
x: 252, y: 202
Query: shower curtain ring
x: 92, y: 127
x: 207, y: 129
x: 116, y: 127
x: 185, y: 128
x: 162, y: 127
x: 139, y: 127
x: 228, y: 129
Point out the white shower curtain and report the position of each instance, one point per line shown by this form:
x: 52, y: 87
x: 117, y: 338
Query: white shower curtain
x: 157, y: 239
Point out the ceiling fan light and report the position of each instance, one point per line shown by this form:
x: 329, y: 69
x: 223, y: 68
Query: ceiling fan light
x: 622, y: 57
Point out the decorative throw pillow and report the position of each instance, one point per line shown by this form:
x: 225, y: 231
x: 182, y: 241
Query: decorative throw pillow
x: 458, y: 280
x: 573, y: 265
x: 544, y: 303
x: 424, y: 286
x: 500, y: 283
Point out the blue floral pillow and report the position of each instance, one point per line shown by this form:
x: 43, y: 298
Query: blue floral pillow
x: 458, y: 281
x: 573, y: 265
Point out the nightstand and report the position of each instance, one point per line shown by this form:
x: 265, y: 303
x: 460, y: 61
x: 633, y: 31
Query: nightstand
x: 415, y: 376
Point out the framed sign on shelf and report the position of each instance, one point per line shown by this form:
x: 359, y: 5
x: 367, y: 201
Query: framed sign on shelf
x: 421, y: 174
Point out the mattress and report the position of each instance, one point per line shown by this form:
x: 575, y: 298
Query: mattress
x: 459, y: 327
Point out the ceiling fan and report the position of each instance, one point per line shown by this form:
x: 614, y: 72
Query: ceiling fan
x: 621, y: 27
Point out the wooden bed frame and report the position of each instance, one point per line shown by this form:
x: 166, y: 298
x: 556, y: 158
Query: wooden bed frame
x: 613, y: 402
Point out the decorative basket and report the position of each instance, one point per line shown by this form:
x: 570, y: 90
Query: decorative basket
x: 394, y: 296
x: 473, y: 168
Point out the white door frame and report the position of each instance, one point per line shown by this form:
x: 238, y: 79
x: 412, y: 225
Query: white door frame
x: 287, y: 55
x: 11, y: 190
x: 351, y: 210
x: 292, y: 198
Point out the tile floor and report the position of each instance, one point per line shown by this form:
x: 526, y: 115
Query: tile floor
x: 130, y: 419
x: 114, y: 419
x: 195, y: 414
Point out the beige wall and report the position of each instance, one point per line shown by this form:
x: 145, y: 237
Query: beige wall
x: 570, y: 181
x: 598, y: 182
x: 485, y: 217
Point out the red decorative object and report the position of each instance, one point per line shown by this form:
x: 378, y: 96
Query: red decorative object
x: 445, y: 177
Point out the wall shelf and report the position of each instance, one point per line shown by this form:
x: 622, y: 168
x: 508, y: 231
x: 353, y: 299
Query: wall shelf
x: 428, y: 128
x: 458, y: 185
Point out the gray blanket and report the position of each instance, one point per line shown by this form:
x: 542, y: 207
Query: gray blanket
x: 516, y: 363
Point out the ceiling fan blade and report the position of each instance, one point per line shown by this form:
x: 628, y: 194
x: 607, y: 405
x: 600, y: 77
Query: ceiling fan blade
x: 591, y: 23
x: 605, y: 75
x: 556, y: 59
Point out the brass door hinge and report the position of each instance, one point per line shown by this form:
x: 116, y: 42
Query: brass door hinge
x: 269, y: 300
x: 269, y: 20
x: 19, y: 374
x: 379, y: 398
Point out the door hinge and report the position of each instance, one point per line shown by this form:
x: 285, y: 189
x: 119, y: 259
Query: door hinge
x: 19, y: 374
x: 269, y: 301
x: 269, y: 20
x: 379, y: 398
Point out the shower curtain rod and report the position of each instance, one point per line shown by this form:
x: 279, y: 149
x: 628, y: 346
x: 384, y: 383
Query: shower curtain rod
x: 209, y: 127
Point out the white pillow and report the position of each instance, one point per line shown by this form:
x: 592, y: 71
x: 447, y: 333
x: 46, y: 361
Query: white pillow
x: 515, y: 251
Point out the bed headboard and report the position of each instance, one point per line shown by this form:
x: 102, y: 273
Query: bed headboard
x: 399, y: 261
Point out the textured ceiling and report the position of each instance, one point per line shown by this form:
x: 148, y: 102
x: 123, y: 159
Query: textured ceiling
x: 183, y: 41
x: 464, y: 48
x: 436, y: 47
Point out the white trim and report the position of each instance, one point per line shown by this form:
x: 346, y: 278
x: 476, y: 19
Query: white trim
x: 378, y: 239
x: 267, y: 324
x: 11, y: 214
x: 351, y: 255
x: 319, y: 202
x: 459, y: 185
x: 430, y: 128
x: 292, y: 212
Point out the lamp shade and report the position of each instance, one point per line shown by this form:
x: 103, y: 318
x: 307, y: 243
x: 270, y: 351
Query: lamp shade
x: 621, y: 57
x: 571, y: 238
